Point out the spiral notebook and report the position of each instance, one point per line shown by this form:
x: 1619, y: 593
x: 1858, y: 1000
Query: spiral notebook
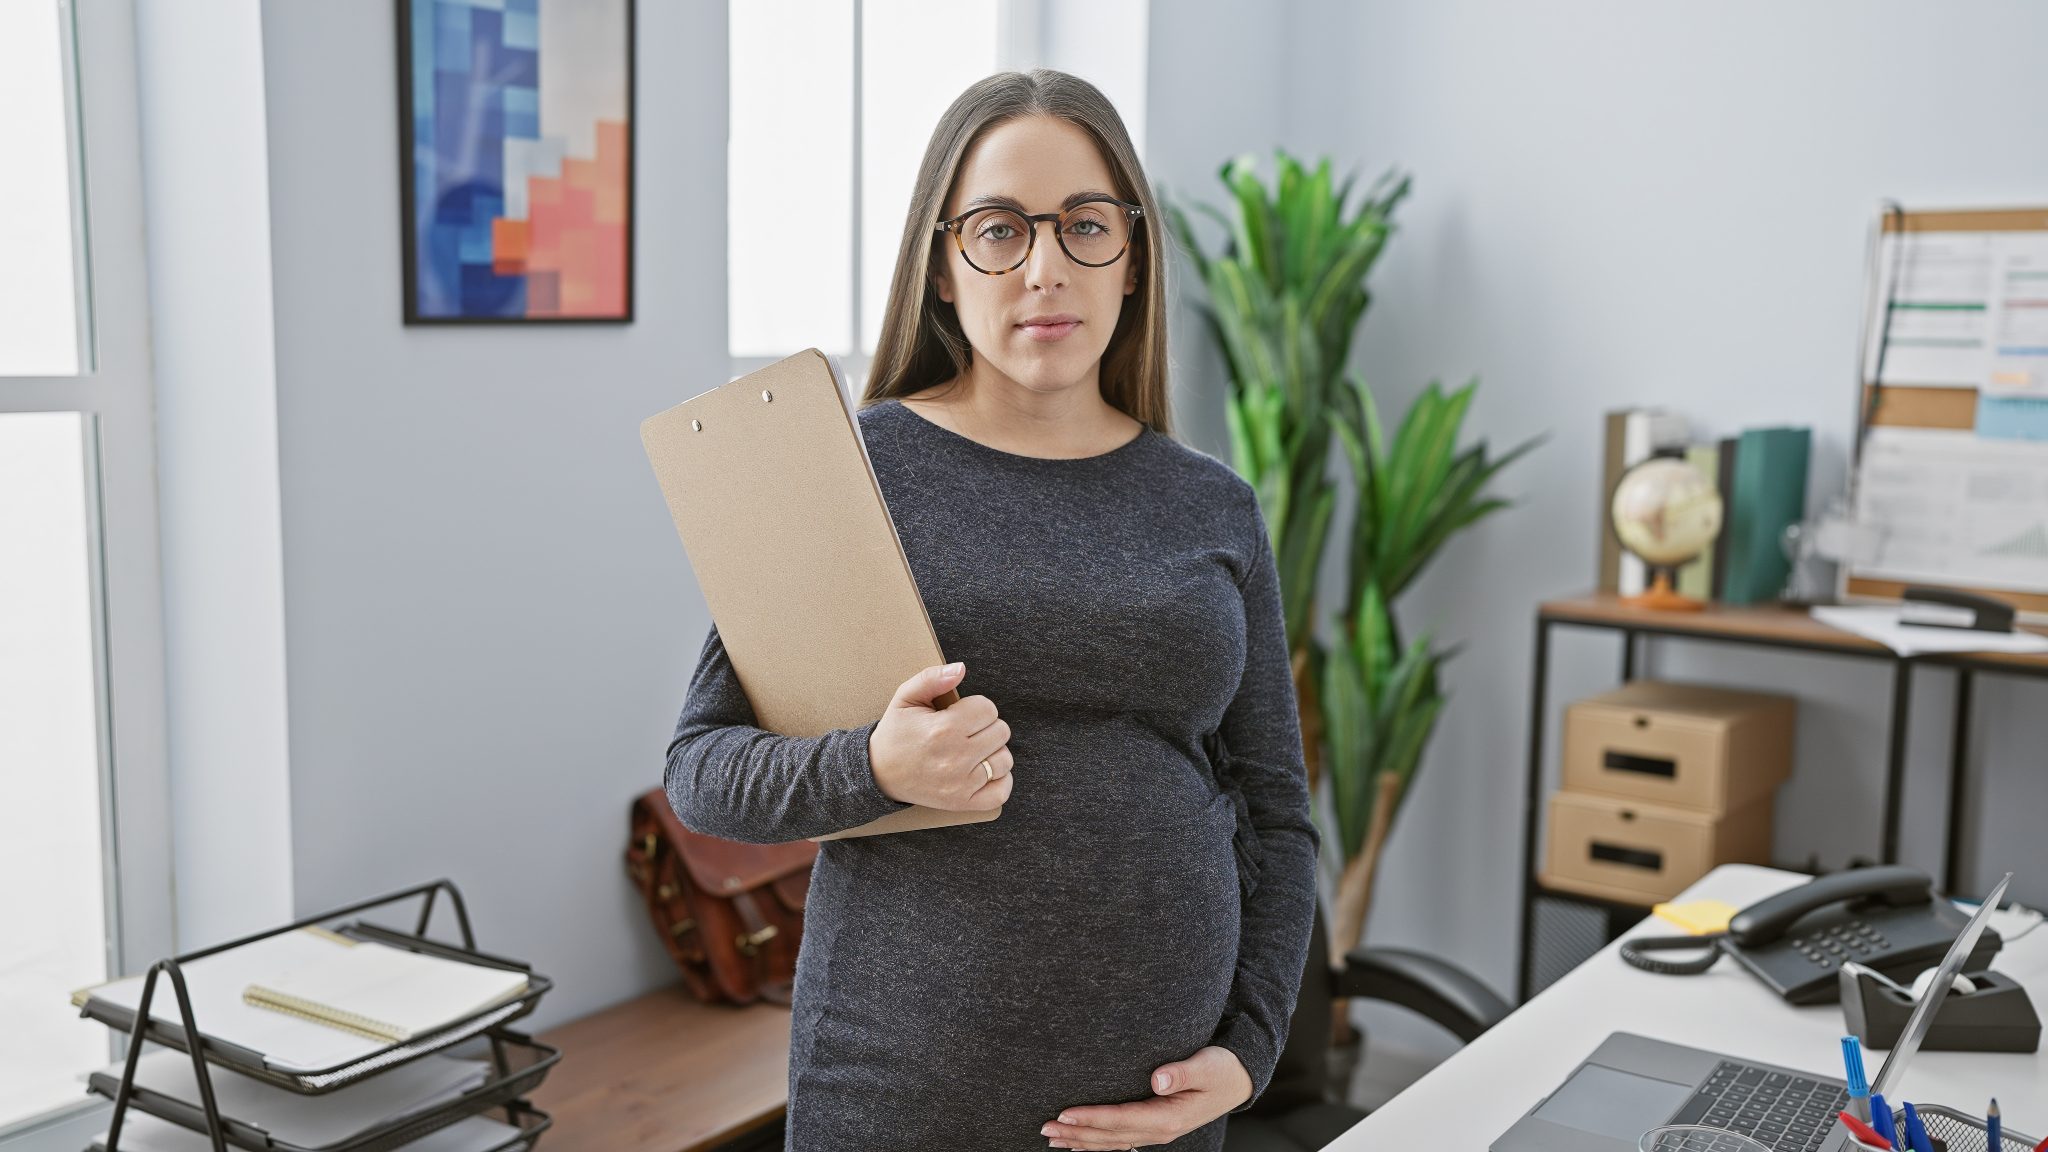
x: 382, y: 992
x: 215, y: 984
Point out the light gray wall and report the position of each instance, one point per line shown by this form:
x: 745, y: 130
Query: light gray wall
x: 491, y: 621
x: 1619, y: 203
x: 1195, y: 123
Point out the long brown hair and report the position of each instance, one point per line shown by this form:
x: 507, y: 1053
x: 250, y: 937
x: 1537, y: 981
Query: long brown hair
x: 922, y: 342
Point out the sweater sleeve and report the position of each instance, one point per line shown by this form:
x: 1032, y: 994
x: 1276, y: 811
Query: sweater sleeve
x: 727, y: 777
x: 1261, y: 734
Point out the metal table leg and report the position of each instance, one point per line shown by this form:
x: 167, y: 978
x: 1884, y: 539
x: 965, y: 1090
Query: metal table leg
x: 1532, y: 803
x: 1895, y: 756
x: 1958, y: 783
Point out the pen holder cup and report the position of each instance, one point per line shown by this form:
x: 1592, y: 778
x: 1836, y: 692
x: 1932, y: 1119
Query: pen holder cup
x: 1954, y: 1131
x: 1997, y: 1017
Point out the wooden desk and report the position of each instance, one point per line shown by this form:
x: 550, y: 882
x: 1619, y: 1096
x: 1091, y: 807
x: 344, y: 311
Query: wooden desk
x: 665, y: 1072
x: 1475, y: 1095
x: 1771, y: 624
x: 1768, y: 626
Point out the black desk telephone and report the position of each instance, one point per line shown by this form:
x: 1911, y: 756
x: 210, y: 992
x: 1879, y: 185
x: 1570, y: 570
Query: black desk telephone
x: 1883, y: 918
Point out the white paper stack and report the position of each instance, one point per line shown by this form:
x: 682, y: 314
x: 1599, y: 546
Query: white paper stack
x: 1880, y: 622
x: 311, y: 1121
x: 141, y: 1132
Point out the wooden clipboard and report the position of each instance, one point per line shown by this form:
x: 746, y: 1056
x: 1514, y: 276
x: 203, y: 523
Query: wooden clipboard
x: 786, y: 527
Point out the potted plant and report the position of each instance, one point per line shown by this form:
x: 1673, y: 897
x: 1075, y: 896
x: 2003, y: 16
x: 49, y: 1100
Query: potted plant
x: 1285, y: 297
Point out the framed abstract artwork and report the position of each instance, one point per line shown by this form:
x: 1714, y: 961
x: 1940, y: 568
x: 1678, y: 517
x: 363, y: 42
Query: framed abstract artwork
x: 516, y: 160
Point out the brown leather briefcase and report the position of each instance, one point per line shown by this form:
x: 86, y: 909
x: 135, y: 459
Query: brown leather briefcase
x: 730, y: 913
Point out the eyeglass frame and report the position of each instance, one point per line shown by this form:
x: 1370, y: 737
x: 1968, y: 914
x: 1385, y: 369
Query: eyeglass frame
x: 1132, y: 213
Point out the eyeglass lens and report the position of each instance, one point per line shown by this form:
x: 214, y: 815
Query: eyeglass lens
x: 996, y: 239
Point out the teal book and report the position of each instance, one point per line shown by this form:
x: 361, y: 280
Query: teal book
x: 1770, y: 493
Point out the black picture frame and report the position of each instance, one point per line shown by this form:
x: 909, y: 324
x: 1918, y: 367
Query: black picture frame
x: 412, y: 316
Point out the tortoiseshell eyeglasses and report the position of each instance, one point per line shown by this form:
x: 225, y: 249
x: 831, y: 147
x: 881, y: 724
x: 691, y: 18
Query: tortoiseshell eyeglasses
x: 1093, y: 232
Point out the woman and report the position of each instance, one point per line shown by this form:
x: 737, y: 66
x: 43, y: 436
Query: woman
x: 1113, y: 961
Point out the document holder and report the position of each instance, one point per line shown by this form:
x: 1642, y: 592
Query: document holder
x: 518, y: 1062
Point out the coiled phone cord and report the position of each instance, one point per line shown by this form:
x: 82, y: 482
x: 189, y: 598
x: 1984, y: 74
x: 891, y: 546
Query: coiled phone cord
x: 1632, y: 951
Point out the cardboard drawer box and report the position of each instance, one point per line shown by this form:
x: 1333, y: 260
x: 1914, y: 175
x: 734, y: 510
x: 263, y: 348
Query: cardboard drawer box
x: 1687, y: 745
x: 1640, y: 853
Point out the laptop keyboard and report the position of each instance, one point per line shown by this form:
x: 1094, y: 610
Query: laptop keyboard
x: 1787, y: 1113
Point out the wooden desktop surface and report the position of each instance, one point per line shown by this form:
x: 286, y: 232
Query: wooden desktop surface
x: 665, y: 1073
x: 1764, y: 623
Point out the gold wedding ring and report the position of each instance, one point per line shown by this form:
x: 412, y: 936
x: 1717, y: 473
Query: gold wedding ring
x: 990, y: 772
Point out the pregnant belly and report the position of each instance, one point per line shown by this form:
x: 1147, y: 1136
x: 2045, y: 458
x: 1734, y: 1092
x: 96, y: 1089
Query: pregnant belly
x: 1080, y: 938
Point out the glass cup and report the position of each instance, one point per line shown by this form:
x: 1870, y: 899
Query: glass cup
x: 1696, y: 1138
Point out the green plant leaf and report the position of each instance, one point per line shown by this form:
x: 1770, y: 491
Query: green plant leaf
x: 1241, y: 305
x: 1308, y: 217
x: 1253, y: 225
x: 1427, y: 458
x: 1243, y: 458
x: 1336, y: 287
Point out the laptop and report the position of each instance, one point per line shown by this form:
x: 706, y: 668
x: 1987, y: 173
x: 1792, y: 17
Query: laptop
x: 1631, y: 1084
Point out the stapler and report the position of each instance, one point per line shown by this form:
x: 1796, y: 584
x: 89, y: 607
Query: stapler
x: 1948, y: 608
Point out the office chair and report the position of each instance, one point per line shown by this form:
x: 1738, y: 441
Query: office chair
x: 1294, y: 1114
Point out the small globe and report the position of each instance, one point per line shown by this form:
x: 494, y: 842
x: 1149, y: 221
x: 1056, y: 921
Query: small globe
x: 1665, y: 511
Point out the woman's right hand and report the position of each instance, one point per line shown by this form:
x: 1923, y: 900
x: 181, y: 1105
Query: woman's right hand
x: 932, y: 756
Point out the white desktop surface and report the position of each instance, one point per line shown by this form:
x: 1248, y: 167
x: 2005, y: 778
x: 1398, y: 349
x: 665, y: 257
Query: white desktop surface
x: 1477, y: 1094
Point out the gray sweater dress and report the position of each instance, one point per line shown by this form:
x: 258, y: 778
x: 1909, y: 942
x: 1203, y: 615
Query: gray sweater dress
x: 1150, y: 885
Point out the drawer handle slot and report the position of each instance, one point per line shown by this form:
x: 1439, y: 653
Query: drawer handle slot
x: 1633, y: 857
x: 1641, y: 765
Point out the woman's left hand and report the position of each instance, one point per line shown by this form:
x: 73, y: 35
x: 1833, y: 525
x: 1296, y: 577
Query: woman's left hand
x: 1191, y: 1093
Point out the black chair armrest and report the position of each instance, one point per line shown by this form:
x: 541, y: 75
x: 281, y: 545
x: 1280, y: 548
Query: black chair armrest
x: 1424, y: 985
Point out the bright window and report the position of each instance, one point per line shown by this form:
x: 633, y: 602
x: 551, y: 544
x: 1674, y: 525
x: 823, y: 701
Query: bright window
x: 789, y: 177
x: 818, y: 182
x: 52, y: 890
x: 917, y: 57
x: 85, y: 855
x: 39, y: 311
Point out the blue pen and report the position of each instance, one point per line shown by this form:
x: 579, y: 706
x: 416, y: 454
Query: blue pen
x: 1992, y: 1137
x: 1916, y: 1132
x: 1859, y: 1088
x: 1881, y: 1119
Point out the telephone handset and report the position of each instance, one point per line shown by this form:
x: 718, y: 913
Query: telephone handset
x: 1884, y: 918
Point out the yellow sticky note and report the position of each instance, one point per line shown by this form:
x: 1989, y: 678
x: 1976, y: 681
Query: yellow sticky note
x: 1698, y: 917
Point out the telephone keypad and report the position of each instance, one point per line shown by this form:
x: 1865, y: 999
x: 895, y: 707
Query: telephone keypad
x: 1851, y: 940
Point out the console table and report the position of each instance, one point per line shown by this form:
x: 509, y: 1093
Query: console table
x: 1763, y: 626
